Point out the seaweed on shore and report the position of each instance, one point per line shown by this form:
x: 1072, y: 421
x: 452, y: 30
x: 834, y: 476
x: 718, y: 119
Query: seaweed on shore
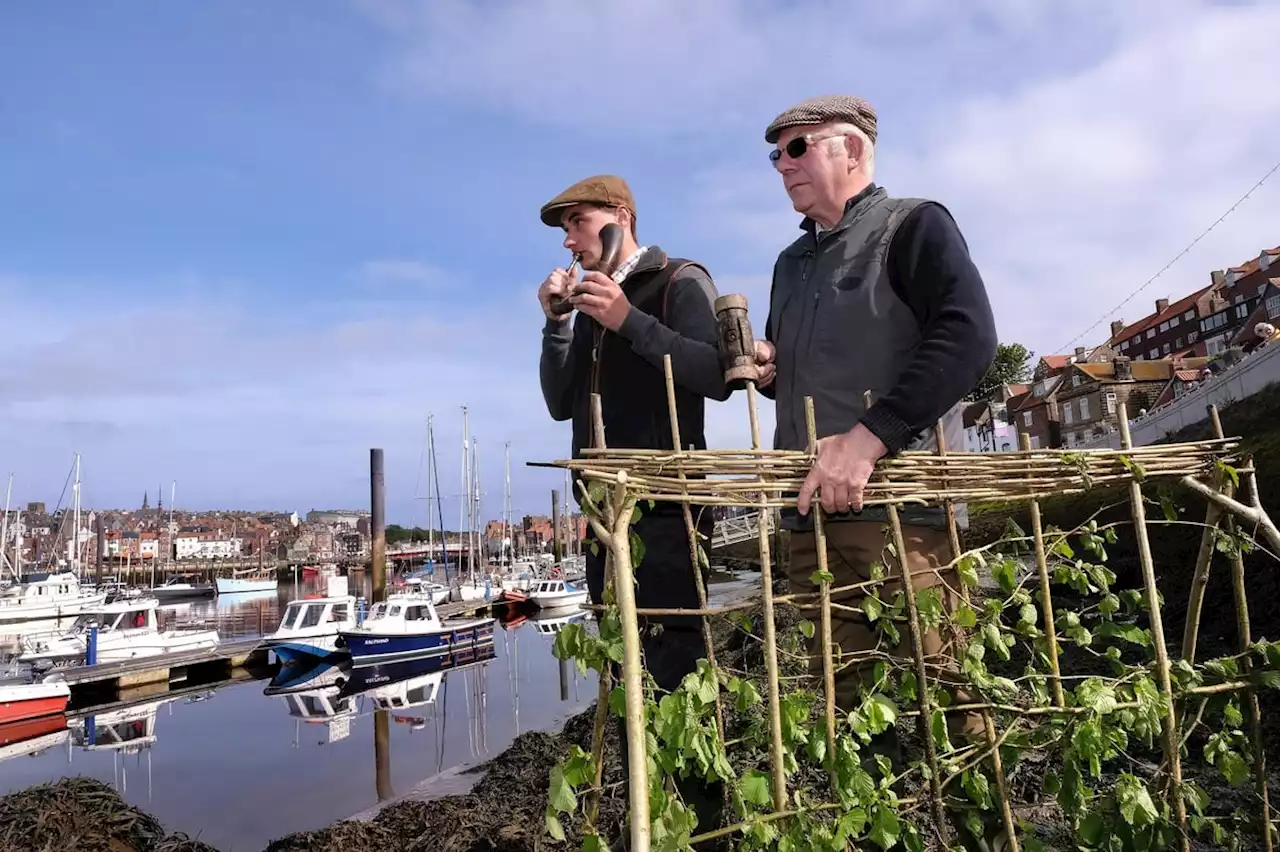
x: 84, y: 815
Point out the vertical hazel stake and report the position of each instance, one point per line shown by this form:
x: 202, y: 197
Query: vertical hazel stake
x: 1204, y: 557
x: 694, y: 550
x: 624, y: 588
x: 605, y: 687
x: 824, y: 632
x: 997, y: 763
x: 1250, y: 693
x: 1046, y: 599
x: 924, y: 697
x: 1171, y: 744
x: 738, y: 356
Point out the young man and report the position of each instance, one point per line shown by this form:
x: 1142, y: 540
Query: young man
x: 652, y: 305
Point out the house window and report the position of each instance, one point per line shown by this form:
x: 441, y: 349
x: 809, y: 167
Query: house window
x: 1151, y: 332
x: 1124, y: 347
x: 1213, y: 347
x: 1026, y: 419
x: 1193, y: 336
x: 1075, y: 380
x: 1153, y: 354
x: 1084, y: 408
x: 1111, y: 403
x: 1242, y: 311
x: 1178, y: 343
x: 1273, y: 306
x: 1165, y: 349
x: 1066, y: 413
x: 1136, y: 340
x: 1189, y: 315
x: 1164, y: 326
x: 1173, y: 323
x: 1035, y: 442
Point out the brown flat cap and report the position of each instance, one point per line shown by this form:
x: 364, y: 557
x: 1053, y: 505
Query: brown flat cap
x: 609, y: 190
x: 820, y: 110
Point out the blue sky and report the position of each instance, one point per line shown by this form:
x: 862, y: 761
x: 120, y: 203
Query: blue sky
x: 242, y: 243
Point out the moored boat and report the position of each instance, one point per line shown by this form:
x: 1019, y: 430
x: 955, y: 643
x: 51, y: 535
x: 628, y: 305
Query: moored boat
x: 407, y: 625
x: 42, y: 596
x: 246, y: 583
x: 557, y: 594
x: 126, y: 630
x: 310, y: 626
x: 175, y: 588
x: 21, y: 701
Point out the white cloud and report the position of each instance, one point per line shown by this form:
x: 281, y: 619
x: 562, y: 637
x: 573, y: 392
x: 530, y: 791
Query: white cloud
x: 392, y: 273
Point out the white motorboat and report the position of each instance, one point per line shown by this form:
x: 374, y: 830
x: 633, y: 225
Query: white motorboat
x: 126, y: 630
x: 557, y: 594
x: 439, y: 593
x: 43, y: 596
x: 310, y: 625
x: 250, y: 581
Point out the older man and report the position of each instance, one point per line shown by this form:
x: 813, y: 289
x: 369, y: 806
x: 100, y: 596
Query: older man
x: 877, y: 294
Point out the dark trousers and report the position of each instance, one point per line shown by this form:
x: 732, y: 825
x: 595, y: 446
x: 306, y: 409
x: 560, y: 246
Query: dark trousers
x: 665, y: 579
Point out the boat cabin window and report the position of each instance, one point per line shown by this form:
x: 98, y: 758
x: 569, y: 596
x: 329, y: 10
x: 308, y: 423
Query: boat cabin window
x: 311, y: 615
x: 394, y: 611
x: 131, y: 619
x: 339, y: 612
x: 378, y: 611
x: 417, y: 613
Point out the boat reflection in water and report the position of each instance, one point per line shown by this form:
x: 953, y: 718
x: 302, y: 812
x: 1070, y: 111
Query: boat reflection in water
x: 334, y: 694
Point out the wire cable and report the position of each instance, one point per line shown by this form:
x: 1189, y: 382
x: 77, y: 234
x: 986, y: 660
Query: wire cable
x: 1176, y: 258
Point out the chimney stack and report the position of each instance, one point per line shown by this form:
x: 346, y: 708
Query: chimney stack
x: 1218, y: 278
x: 1117, y: 326
x: 1079, y: 354
x: 1162, y: 305
x: 1123, y: 368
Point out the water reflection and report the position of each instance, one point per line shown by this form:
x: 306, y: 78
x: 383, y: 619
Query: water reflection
x: 241, y: 763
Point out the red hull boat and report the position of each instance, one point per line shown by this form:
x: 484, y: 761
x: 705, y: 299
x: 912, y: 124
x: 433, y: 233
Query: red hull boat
x: 22, y: 701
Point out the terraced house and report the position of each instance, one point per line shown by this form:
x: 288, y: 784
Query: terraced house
x: 1089, y: 395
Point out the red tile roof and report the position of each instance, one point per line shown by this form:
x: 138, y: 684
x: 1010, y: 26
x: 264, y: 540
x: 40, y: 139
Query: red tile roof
x: 1175, y: 309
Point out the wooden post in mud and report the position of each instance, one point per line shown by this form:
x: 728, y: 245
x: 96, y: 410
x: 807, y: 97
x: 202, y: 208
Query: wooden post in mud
x: 557, y: 541
x: 377, y: 523
x: 382, y: 755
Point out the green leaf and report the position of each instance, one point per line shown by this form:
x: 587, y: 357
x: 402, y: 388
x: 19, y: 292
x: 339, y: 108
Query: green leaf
x: 554, y: 828
x: 965, y: 617
x: 806, y: 629
x: 594, y: 843
x: 1005, y: 573
x: 754, y: 788
x: 1134, y: 801
x: 885, y: 828
x: 873, y: 608
x: 560, y: 795
x: 967, y: 570
x: 978, y: 787
x: 820, y: 577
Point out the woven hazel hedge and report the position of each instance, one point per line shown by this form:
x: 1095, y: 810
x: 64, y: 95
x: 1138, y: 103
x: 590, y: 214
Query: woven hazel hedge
x: 1118, y: 724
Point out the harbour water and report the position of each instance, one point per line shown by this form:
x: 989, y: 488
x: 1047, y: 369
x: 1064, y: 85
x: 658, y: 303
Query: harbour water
x: 237, y: 768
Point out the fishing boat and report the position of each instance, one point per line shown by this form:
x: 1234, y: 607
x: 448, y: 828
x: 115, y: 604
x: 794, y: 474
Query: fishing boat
x: 407, y: 625
x: 557, y: 594
x: 310, y: 626
x: 248, y: 581
x: 47, y: 595
x: 21, y: 700
x: 126, y: 630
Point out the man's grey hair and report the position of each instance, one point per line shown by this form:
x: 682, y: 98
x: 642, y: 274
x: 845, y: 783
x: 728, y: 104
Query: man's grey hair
x: 836, y: 143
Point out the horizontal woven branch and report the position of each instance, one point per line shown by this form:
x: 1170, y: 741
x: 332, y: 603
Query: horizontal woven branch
x: 766, y: 477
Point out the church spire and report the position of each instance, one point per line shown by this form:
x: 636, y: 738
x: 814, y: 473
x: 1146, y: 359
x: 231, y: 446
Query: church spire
x: 146, y: 503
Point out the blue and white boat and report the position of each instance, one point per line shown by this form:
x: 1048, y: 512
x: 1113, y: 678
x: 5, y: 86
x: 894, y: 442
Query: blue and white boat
x: 310, y: 626
x: 406, y: 625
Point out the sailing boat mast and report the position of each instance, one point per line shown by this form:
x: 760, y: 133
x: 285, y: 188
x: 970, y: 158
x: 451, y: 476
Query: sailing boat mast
x: 475, y: 504
x: 173, y: 492
x: 506, y: 502
x: 75, y: 523
x: 465, y: 501
x: 4, y: 530
x: 431, y: 459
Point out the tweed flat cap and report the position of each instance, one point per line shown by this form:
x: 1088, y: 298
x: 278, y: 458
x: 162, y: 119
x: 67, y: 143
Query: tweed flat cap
x: 820, y: 110
x: 609, y: 190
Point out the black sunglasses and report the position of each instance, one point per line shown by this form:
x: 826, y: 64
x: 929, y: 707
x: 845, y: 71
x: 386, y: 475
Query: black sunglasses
x: 798, y: 147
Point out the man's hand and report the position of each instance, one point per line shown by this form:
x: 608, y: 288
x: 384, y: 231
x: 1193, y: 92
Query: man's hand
x: 557, y: 286
x: 840, y: 474
x: 766, y: 369
x: 599, y: 297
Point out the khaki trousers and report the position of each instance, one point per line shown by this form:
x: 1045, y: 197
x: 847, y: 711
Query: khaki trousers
x: 852, y: 548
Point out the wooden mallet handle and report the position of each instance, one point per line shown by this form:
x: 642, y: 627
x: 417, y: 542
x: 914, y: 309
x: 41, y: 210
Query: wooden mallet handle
x: 737, y: 346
